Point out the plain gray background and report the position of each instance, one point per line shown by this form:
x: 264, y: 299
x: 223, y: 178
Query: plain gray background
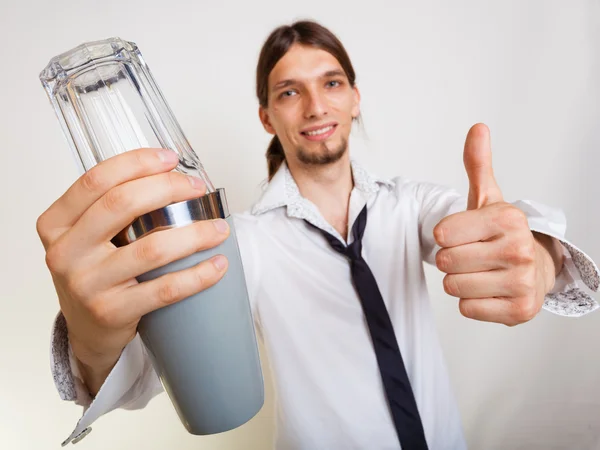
x: 427, y: 72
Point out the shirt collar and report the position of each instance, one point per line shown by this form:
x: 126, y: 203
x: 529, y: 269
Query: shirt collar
x: 282, y: 191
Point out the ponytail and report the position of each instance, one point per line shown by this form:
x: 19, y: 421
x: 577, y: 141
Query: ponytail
x: 275, y: 156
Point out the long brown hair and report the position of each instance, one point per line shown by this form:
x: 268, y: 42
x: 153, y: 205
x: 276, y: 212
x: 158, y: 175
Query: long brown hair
x: 303, y: 32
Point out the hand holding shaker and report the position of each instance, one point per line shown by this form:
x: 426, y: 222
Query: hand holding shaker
x: 203, y: 348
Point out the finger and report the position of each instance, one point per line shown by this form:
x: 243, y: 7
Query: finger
x: 477, y: 158
x: 493, y: 283
x: 158, y: 249
x: 92, y: 185
x: 495, y: 310
x: 506, y: 252
x: 477, y: 225
x: 167, y: 289
x: 124, y: 203
x: 466, y: 227
x: 471, y: 258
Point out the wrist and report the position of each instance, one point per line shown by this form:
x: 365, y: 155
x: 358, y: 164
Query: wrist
x: 550, y: 259
x: 93, y: 369
x: 90, y: 360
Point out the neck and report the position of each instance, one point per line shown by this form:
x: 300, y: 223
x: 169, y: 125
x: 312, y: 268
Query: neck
x: 328, y: 186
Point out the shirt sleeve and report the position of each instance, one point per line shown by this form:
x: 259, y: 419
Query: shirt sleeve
x: 579, y: 275
x: 131, y: 384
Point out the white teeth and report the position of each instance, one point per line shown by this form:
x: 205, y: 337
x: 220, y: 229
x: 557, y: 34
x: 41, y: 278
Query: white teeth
x: 318, y: 132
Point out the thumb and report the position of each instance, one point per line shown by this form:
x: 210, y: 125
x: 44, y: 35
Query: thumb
x: 477, y: 157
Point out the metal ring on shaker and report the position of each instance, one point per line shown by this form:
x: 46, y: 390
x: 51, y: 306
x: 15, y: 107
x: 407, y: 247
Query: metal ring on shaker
x: 210, y: 206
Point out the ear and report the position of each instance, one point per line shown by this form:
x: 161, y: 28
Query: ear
x: 356, y: 102
x: 263, y: 114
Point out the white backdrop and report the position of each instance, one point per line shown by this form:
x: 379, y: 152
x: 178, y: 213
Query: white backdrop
x: 427, y: 71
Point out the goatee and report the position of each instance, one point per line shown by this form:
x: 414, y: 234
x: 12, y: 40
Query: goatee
x: 324, y: 156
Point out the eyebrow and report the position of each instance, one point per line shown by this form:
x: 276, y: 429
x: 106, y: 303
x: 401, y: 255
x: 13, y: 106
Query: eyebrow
x: 291, y: 81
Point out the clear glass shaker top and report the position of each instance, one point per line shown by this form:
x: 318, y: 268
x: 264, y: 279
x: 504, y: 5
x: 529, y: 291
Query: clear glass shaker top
x: 108, y: 102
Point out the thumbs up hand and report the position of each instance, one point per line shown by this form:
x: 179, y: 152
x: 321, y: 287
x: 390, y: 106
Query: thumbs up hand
x: 498, y: 268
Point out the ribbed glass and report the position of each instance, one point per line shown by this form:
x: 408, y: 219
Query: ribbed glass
x: 108, y: 102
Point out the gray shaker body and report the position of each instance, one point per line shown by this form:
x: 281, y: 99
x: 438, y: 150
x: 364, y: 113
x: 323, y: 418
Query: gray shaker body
x: 204, y: 347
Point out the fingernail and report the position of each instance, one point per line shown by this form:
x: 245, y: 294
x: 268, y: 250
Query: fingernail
x: 168, y: 156
x: 221, y: 225
x: 220, y: 262
x: 196, y: 182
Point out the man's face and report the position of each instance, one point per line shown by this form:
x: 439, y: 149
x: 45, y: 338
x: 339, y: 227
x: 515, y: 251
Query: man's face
x: 311, y: 105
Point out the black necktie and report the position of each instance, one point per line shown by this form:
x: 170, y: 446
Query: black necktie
x: 399, y: 394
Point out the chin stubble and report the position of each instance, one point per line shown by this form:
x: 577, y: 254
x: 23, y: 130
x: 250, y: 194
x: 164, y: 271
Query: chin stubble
x: 324, y: 155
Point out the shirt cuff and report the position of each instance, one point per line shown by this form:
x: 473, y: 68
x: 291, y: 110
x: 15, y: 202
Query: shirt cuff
x: 59, y: 360
x: 579, y: 276
x: 119, y: 390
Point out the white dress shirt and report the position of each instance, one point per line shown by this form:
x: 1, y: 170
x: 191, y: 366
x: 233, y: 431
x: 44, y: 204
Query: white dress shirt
x: 329, y: 393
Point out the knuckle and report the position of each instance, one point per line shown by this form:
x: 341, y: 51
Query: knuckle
x: 93, y: 181
x: 55, y: 260
x: 527, y: 310
x: 438, y: 234
x: 171, y: 181
x: 115, y: 200
x: 204, y: 278
x: 141, y: 158
x: 465, y: 309
x: 40, y: 226
x: 145, y: 159
x: 520, y: 251
x: 527, y: 251
x: 451, y: 286
x: 167, y: 293
x: 512, y: 316
x: 524, y: 283
x: 148, y: 250
x: 443, y: 260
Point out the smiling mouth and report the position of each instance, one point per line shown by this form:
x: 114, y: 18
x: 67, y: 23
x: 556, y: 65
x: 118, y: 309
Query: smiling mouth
x: 328, y: 129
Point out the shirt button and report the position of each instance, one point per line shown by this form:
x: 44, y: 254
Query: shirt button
x: 81, y: 435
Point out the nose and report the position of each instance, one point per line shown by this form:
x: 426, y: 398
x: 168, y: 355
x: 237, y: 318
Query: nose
x: 315, y: 104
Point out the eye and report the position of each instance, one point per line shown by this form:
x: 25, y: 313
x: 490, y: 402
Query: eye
x: 333, y: 83
x: 287, y: 94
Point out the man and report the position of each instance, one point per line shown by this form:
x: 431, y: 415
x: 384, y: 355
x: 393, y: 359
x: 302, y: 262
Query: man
x: 333, y: 260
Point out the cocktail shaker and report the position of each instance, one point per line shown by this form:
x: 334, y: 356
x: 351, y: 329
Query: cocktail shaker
x: 203, y: 348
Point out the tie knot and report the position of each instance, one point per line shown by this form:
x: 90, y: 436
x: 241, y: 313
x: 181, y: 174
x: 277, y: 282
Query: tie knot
x: 354, y: 250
